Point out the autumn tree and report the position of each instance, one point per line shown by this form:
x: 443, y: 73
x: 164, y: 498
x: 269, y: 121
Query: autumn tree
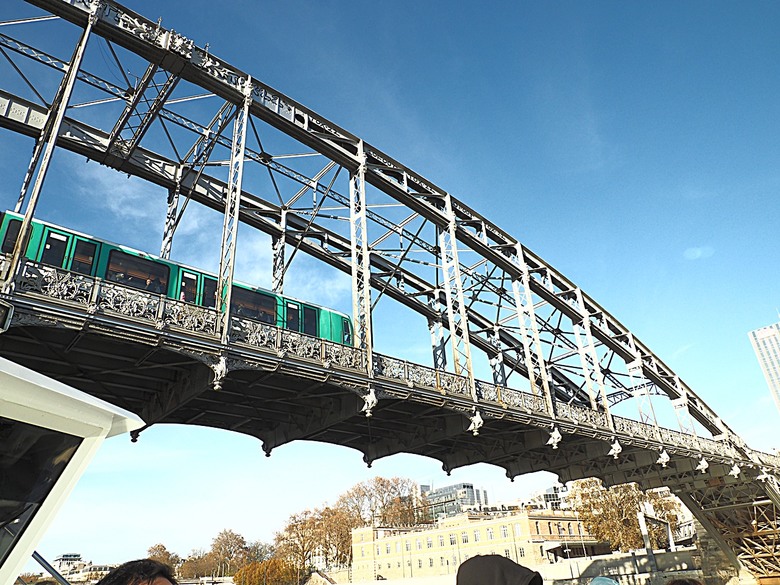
x: 298, y: 541
x: 158, y: 552
x: 334, y: 534
x: 610, y: 514
x: 198, y: 564
x: 257, y: 552
x: 228, y: 550
x: 389, y: 502
x: 273, y: 570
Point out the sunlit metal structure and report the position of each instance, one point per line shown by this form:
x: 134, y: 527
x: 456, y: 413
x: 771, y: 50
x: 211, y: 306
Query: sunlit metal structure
x: 559, y: 361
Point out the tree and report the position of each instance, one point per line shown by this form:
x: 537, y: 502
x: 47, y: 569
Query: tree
x: 158, y: 552
x: 228, y: 550
x: 383, y: 501
x: 298, y: 540
x: 257, y: 552
x: 274, y: 571
x: 334, y: 534
x: 610, y: 514
x: 199, y: 564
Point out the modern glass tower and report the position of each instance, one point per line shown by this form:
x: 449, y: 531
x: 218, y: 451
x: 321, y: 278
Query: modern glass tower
x: 766, y: 344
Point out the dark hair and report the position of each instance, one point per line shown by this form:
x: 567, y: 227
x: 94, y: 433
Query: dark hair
x: 138, y: 572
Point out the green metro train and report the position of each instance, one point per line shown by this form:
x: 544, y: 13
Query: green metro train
x: 63, y: 248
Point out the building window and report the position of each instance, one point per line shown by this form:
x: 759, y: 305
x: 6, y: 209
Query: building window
x: 419, y: 563
x: 571, y: 532
x: 387, y: 548
x: 430, y: 561
x: 506, y: 552
x: 408, y: 545
x: 397, y: 546
x: 537, y: 527
x: 429, y: 542
x: 441, y: 540
x: 517, y: 529
x: 490, y: 534
x: 549, y: 528
x: 441, y: 560
x: 521, y: 552
x: 464, y: 537
x: 377, y: 550
x: 418, y: 543
x: 504, y: 531
x: 476, y: 536
x: 453, y: 539
x: 362, y: 552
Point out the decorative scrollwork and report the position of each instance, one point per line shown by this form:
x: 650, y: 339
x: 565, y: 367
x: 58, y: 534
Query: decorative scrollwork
x: 486, y: 391
x: 58, y: 284
x: 301, y: 345
x: 128, y: 301
x: 253, y: 333
x: 581, y: 415
x: 454, y: 385
x: 343, y: 355
x: 389, y: 367
x: 422, y: 376
x: 190, y: 317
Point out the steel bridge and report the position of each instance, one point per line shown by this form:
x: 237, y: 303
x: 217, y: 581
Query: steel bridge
x: 558, y: 362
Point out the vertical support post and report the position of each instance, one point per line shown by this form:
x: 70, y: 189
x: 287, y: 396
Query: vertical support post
x: 529, y: 332
x: 278, y: 243
x: 44, y: 147
x: 590, y: 359
x: 640, y: 516
x: 681, y: 410
x: 456, y: 308
x: 170, y: 218
x: 232, y: 208
x: 437, y: 334
x: 497, y: 362
x: 361, y: 262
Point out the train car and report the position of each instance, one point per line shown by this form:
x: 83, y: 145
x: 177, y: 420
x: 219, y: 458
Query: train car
x: 83, y: 254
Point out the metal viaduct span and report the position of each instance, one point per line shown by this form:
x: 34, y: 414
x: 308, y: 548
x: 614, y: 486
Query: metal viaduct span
x: 559, y: 361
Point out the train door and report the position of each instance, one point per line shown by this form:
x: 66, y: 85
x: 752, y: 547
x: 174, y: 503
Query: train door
x: 298, y: 317
x: 208, y: 296
x: 292, y: 316
x: 54, y: 248
x: 188, y: 287
x: 67, y: 251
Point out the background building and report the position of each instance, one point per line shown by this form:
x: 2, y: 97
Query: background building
x: 453, y: 499
x: 528, y: 537
x: 766, y: 344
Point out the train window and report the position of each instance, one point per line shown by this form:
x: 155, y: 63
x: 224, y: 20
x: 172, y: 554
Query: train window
x: 347, y: 329
x: 209, y: 292
x: 253, y: 305
x: 137, y: 272
x: 11, y: 234
x: 83, y: 257
x: 310, y: 321
x: 54, y: 248
x: 293, y: 317
x: 189, y: 287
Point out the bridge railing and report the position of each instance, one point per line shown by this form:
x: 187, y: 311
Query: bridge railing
x: 96, y: 296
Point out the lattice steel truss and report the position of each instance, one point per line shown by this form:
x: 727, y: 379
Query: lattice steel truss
x: 350, y: 205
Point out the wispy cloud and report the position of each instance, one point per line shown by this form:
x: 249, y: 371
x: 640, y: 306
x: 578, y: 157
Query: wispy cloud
x: 698, y: 252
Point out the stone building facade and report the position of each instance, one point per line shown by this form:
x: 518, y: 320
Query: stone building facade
x: 528, y: 537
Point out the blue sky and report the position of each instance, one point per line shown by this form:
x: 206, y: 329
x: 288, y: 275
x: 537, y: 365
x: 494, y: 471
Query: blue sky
x: 634, y: 146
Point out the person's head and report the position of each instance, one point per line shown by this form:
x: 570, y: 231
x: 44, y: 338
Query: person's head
x: 495, y: 570
x: 140, y: 572
x: 684, y: 581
